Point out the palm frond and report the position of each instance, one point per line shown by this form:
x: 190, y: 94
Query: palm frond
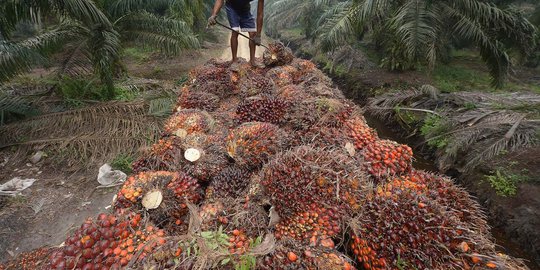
x: 96, y: 133
x: 18, y: 57
x: 169, y: 35
x: 338, y: 26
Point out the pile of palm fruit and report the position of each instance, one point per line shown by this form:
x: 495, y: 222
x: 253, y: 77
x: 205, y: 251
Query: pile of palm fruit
x: 274, y: 169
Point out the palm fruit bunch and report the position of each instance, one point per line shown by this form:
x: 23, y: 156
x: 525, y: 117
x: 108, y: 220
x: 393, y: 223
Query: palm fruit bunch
x: 231, y: 214
x: 29, y: 260
x: 358, y: 130
x: 290, y: 254
x: 163, y: 155
x: 211, y: 162
x: 252, y: 144
x: 226, y: 112
x: 110, y: 242
x: 277, y: 55
x: 281, y: 76
x: 231, y: 182
x: 263, y: 108
x: 454, y: 198
x: 402, y: 227
x: 384, y: 158
x: 192, y: 99
x: 213, y: 214
x: 164, y: 195
x: 320, y: 89
x: 212, y: 79
x: 308, y: 74
x: 254, y: 84
x: 315, y: 226
x: 189, y: 121
x: 292, y: 94
x: 305, y: 176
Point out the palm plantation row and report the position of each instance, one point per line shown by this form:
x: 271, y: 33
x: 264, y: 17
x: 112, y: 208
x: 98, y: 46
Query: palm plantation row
x: 90, y: 34
x: 411, y: 33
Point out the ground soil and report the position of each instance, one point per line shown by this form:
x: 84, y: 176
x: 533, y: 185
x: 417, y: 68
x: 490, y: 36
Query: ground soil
x: 62, y: 198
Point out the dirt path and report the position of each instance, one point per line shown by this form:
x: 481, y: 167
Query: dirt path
x: 243, y: 49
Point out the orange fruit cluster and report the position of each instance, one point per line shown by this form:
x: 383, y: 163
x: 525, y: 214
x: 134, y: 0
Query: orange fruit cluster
x: 384, y: 158
x: 189, y: 120
x: 189, y: 99
x: 362, y: 135
x: 107, y: 243
x: 238, y: 242
x: 267, y: 109
x: 315, y: 226
x: 29, y: 261
x: 253, y: 143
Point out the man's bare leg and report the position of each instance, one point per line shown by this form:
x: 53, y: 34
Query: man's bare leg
x: 234, y: 46
x: 252, y: 48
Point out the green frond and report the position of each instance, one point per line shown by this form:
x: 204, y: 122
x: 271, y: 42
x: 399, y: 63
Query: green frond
x: 18, y: 57
x: 339, y: 27
x: 14, y: 106
x: 168, y: 35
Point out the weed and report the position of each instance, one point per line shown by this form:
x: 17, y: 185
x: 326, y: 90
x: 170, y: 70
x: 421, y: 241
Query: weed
x: 434, y: 125
x: 123, y: 163
x: 505, y: 183
x: 138, y: 53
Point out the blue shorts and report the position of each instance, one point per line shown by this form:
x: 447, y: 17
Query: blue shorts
x: 240, y: 19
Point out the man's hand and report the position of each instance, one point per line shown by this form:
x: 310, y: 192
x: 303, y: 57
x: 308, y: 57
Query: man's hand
x: 212, y: 21
x: 257, y: 39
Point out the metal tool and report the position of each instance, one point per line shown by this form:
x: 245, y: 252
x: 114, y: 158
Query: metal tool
x: 227, y: 27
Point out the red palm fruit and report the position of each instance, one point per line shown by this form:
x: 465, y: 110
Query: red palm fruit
x: 251, y: 144
x: 305, y: 176
x: 263, y: 108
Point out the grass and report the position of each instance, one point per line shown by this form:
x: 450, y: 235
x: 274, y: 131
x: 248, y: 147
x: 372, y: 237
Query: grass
x: 123, y: 163
x: 454, y: 78
x: 139, y: 54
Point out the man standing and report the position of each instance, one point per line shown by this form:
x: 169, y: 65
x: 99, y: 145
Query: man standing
x: 241, y: 20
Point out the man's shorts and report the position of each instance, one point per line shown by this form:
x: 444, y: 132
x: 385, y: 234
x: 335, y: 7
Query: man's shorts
x: 240, y: 19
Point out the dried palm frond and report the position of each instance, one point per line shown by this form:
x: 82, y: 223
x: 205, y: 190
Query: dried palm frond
x: 95, y: 133
x: 474, y: 127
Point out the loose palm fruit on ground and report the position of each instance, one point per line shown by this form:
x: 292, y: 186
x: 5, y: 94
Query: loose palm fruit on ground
x: 251, y: 144
x: 238, y: 242
x: 314, y: 226
x: 263, y: 108
x: 35, y: 259
x: 290, y: 254
x: 305, y: 175
x: 384, y: 158
x: 193, y: 99
x: 189, y: 121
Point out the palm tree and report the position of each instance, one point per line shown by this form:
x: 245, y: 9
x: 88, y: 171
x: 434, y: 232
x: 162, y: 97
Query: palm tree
x: 418, y: 31
x: 87, y: 32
